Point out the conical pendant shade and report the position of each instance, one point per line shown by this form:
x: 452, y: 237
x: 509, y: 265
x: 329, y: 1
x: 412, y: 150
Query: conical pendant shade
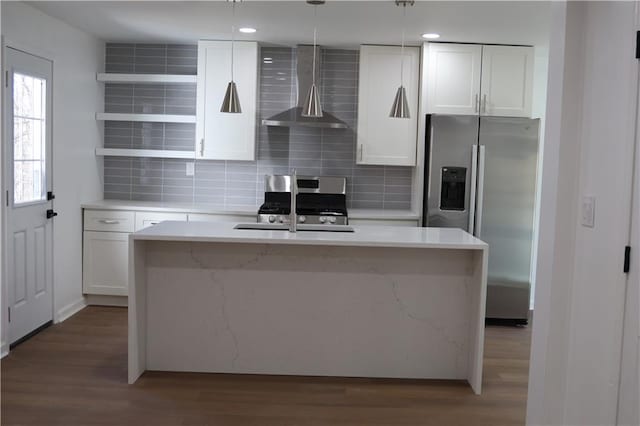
x: 312, y: 107
x: 400, y: 108
x: 231, y: 102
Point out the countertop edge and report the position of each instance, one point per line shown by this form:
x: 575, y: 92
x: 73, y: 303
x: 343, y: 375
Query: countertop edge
x: 366, y: 244
x: 164, y: 208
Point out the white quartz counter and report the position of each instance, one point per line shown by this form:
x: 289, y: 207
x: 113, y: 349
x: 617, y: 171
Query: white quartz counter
x: 364, y: 236
x: 383, y: 301
x: 202, y: 208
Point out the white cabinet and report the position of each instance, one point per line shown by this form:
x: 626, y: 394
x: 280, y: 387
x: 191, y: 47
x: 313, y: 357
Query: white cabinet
x: 226, y: 136
x: 145, y: 219
x: 507, y: 81
x: 470, y: 79
x: 381, y: 139
x: 219, y: 217
x: 453, y: 78
x: 105, y: 263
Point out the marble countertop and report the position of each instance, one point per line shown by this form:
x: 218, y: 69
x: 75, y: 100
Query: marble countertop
x: 364, y: 236
x: 157, y: 206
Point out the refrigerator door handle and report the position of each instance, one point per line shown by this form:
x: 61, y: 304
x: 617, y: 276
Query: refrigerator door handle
x: 481, y: 158
x: 472, y: 192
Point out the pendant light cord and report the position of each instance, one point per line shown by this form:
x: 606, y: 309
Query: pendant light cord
x: 404, y: 15
x: 315, y: 35
x: 233, y: 32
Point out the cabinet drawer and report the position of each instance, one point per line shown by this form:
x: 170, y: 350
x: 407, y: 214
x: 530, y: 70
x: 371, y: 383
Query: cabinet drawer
x: 108, y: 220
x: 145, y: 219
x: 202, y: 217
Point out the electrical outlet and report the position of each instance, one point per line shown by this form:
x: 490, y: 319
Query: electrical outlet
x: 191, y: 168
x: 588, y: 211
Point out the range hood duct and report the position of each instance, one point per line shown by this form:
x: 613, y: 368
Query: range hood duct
x: 293, y: 116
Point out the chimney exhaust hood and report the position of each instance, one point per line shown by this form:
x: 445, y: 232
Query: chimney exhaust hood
x: 293, y: 116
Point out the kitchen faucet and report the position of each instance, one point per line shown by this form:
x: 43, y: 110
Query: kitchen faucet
x: 293, y: 217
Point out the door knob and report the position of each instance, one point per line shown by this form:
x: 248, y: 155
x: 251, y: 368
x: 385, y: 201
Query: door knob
x: 51, y: 213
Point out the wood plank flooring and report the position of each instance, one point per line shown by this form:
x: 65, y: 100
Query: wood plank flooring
x: 75, y: 373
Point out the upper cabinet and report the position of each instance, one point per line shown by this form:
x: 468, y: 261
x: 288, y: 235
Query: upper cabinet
x: 384, y: 140
x: 226, y: 136
x: 507, y: 81
x: 470, y: 79
x: 453, y: 78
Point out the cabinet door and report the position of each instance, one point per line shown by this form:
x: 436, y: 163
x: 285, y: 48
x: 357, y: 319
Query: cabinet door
x: 105, y: 263
x: 453, y: 78
x: 507, y: 81
x: 226, y: 136
x: 382, y: 139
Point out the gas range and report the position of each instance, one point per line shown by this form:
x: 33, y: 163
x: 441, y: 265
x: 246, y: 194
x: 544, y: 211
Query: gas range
x: 321, y: 200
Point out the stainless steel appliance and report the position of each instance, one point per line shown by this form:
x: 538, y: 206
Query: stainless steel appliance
x: 481, y: 177
x: 320, y: 200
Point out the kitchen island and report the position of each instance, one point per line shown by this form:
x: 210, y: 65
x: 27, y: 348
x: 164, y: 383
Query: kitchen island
x: 379, y: 302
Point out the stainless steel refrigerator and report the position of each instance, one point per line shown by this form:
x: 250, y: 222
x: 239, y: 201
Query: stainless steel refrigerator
x: 481, y: 177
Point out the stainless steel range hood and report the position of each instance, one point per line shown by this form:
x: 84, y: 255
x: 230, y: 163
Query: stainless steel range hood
x: 293, y: 116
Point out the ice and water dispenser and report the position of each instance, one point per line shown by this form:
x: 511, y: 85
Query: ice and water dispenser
x: 452, y: 188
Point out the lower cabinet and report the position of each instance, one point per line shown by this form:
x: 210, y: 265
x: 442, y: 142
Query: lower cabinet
x: 105, y: 252
x: 105, y: 263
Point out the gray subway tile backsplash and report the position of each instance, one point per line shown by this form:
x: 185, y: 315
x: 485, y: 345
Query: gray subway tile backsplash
x: 233, y: 184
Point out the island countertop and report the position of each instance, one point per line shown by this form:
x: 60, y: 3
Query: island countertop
x: 364, y: 236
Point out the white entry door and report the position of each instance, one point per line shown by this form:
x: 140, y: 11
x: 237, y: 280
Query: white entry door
x: 27, y: 181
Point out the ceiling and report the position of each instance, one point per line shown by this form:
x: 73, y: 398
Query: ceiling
x: 340, y: 23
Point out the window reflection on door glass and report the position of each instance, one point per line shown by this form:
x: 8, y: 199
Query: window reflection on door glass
x: 29, y: 139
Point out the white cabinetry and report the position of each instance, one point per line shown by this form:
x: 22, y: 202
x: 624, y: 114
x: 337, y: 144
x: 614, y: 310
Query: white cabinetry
x: 381, y: 139
x: 507, y: 81
x: 471, y: 79
x: 453, y: 78
x: 145, y: 219
x: 105, y: 253
x: 105, y: 260
x: 226, y: 136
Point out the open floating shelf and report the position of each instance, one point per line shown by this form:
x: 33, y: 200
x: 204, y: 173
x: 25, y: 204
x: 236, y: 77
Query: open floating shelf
x: 153, y: 118
x: 146, y: 78
x: 148, y: 153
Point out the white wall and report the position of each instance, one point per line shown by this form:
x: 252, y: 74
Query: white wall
x: 77, y: 173
x: 589, y: 139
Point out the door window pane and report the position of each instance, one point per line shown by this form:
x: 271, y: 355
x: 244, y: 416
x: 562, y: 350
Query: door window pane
x: 29, y: 138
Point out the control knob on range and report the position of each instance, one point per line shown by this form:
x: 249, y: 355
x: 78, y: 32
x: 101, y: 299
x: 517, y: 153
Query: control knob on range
x: 332, y: 219
x: 272, y: 219
x: 302, y: 219
x: 322, y: 219
x: 280, y: 219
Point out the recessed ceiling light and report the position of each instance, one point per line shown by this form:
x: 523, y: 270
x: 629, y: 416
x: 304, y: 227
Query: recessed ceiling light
x: 430, y: 36
x: 247, y: 30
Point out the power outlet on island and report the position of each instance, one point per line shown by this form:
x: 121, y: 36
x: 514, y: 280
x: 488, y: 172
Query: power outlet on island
x: 191, y: 169
x: 588, y: 211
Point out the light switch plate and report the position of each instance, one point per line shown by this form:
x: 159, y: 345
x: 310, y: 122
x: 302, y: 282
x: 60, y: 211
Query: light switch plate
x: 588, y: 211
x: 191, y: 169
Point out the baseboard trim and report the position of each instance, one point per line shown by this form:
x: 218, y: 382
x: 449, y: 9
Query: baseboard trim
x: 4, y: 349
x: 102, y: 300
x: 70, y: 310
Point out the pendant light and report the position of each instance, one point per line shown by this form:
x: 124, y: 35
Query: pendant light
x: 400, y: 107
x: 231, y: 102
x: 312, y: 107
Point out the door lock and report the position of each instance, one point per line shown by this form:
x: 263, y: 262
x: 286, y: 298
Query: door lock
x: 51, y: 213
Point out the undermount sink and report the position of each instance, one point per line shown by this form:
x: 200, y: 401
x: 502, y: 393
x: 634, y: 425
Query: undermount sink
x: 300, y: 227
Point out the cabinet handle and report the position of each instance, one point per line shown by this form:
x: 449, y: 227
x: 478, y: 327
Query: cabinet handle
x: 476, y: 104
x: 484, y: 103
x: 360, y: 149
x: 109, y: 221
x: 202, y: 147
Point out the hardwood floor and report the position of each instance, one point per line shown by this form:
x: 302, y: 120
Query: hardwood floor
x: 75, y: 373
